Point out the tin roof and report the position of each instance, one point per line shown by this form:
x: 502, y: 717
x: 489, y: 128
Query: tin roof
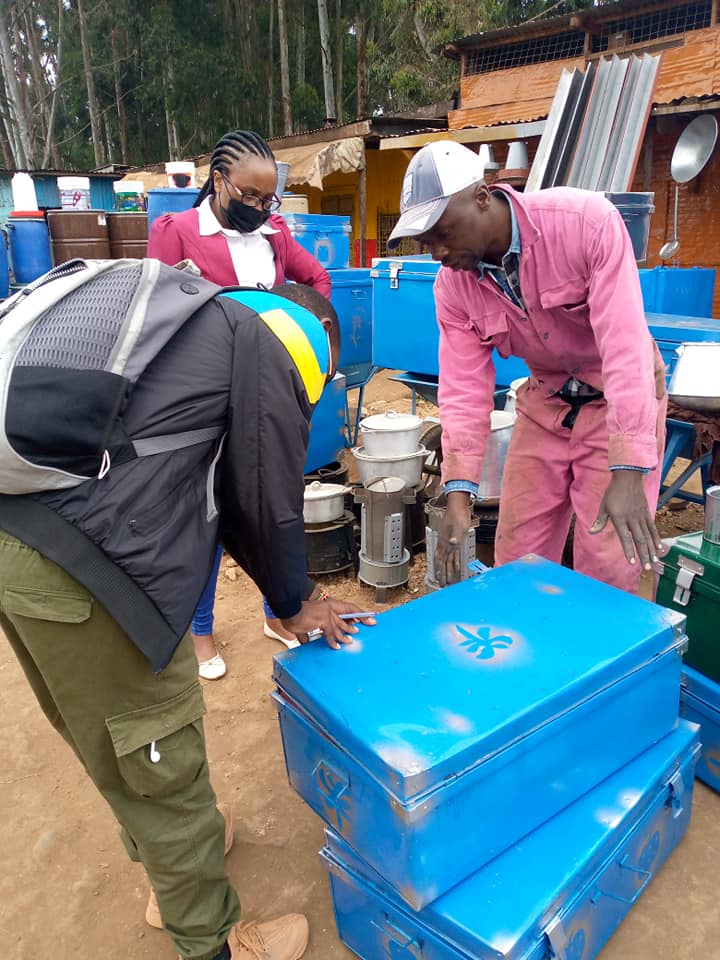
x: 580, y: 20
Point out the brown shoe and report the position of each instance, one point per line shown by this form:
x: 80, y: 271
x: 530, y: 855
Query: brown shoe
x: 285, y: 938
x: 152, y: 912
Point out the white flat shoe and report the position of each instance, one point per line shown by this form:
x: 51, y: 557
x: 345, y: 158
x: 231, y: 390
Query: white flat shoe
x: 212, y: 669
x: 271, y: 635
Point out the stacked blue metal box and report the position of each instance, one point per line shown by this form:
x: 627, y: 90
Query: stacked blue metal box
x: 500, y: 765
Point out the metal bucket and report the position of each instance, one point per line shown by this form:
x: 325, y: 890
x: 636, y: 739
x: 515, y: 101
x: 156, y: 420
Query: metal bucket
x: 435, y: 510
x: 712, y: 515
x: 501, y: 427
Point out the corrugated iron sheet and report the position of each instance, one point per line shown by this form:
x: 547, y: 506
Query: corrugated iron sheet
x: 610, y: 110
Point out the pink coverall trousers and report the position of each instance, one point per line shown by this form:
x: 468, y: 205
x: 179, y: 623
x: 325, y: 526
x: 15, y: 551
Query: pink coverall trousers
x: 551, y: 473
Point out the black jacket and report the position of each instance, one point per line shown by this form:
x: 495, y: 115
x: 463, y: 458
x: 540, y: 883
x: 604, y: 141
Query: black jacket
x: 142, y: 539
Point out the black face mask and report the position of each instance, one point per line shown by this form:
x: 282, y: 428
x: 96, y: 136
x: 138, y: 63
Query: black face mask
x: 243, y: 218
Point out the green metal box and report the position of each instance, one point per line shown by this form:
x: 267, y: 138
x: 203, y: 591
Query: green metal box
x: 689, y: 581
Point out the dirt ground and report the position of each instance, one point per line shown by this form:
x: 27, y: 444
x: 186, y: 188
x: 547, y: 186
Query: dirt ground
x: 68, y: 891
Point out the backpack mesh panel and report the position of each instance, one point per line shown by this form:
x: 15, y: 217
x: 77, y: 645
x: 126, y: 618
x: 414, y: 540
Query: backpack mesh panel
x: 79, y: 332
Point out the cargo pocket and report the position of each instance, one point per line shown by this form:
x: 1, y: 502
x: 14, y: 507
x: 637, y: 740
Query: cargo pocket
x: 73, y: 606
x: 161, y: 749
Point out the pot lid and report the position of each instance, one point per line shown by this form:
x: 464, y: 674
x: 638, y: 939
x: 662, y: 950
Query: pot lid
x: 324, y: 491
x: 391, y: 421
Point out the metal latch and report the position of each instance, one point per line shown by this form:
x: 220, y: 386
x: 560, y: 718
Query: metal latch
x: 395, y: 269
x: 687, y: 571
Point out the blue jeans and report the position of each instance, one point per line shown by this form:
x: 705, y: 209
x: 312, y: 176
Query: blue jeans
x: 202, y: 622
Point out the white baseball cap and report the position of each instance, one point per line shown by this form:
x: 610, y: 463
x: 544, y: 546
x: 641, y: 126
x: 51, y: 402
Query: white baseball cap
x: 436, y: 172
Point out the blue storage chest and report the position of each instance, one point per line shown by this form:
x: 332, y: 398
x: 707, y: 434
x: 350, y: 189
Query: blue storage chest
x: 351, y: 295
x: 405, y: 330
x: 325, y: 236
x: 465, y: 719
x: 686, y: 291
x: 670, y: 331
x: 700, y: 702
x: 559, y: 893
x: 327, y: 426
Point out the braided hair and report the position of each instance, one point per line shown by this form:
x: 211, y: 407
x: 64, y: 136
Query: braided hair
x: 233, y: 147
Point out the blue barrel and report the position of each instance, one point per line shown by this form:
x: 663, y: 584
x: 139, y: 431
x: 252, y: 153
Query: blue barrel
x: 4, y: 269
x: 29, y: 247
x: 635, y: 209
x: 169, y: 200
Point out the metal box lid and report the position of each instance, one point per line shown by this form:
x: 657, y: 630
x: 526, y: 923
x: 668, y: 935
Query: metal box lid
x: 421, y: 266
x: 666, y: 326
x: 700, y: 687
x: 444, y: 684
x: 493, y: 916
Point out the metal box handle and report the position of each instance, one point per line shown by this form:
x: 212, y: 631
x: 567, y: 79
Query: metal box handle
x: 334, y: 789
x: 400, y: 943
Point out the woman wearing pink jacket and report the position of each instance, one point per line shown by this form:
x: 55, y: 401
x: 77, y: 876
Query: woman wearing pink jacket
x: 235, y: 238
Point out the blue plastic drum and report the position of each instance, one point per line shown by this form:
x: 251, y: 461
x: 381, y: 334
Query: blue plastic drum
x: 29, y: 246
x: 4, y: 268
x: 169, y: 200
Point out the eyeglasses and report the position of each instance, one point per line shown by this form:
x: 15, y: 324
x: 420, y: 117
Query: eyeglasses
x: 268, y: 204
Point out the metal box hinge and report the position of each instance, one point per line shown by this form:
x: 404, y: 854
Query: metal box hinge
x: 687, y: 571
x: 395, y: 269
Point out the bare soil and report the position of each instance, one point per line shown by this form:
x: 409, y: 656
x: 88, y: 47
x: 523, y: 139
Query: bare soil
x: 67, y: 889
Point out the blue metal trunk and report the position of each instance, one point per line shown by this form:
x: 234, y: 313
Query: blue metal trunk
x: 351, y: 296
x: 559, y: 893
x: 700, y: 702
x: 327, y: 426
x: 405, y: 330
x: 465, y: 719
x: 325, y: 236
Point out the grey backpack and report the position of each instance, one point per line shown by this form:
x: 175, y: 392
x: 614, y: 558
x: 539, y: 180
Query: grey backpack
x: 72, y: 345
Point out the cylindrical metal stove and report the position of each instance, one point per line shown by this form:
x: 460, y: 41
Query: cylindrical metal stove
x: 331, y: 547
x: 384, y: 560
x: 435, y: 510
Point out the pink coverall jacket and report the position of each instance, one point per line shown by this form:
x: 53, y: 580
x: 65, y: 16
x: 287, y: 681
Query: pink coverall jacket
x: 176, y: 237
x: 584, y: 318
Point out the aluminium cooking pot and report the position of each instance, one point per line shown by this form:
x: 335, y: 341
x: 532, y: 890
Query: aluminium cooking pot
x: 391, y: 434
x: 695, y: 380
x: 324, y: 502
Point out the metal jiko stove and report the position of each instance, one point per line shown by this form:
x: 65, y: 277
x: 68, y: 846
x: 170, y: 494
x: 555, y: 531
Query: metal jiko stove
x: 384, y: 558
x: 331, y: 546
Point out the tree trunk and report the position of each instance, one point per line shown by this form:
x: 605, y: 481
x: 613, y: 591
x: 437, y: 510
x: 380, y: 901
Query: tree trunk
x: 339, y: 45
x: 95, y: 126
x: 284, y: 68
x: 362, y: 66
x: 16, y: 121
x: 20, y: 52
x: 326, y: 56
x: 50, y: 145
x: 170, y: 120
x: 271, y: 73
x: 300, y: 58
x: 5, y: 142
x: 109, y: 144
x: 119, y: 105
x: 39, y: 80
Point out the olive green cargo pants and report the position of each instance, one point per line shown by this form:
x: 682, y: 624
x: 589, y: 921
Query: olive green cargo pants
x: 138, y: 734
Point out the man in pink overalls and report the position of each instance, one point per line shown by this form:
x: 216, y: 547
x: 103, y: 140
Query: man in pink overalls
x: 549, y: 277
